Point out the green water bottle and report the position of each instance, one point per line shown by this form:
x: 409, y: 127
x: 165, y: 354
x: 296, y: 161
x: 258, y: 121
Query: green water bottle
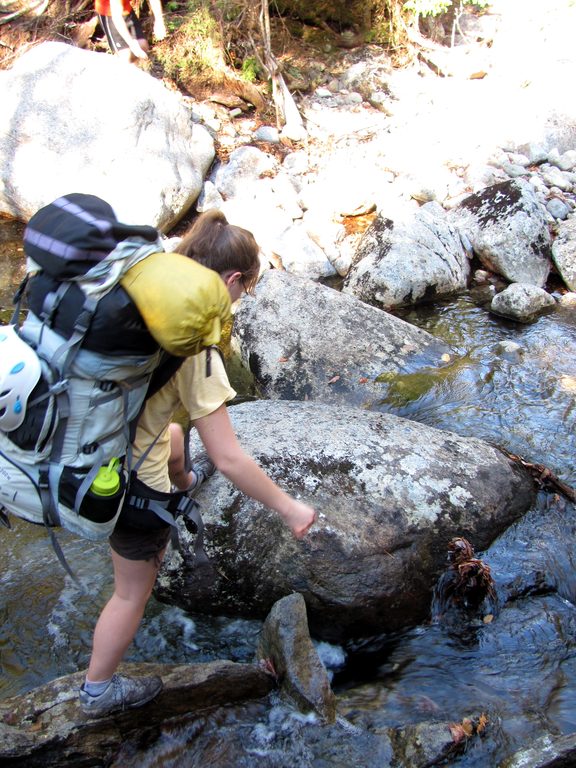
x: 102, y: 502
x: 107, y: 480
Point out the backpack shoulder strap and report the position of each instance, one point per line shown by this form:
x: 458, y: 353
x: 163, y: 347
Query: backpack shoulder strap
x: 167, y: 367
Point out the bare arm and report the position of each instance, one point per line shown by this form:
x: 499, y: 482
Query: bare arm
x: 159, y: 26
x: 120, y: 24
x: 221, y: 443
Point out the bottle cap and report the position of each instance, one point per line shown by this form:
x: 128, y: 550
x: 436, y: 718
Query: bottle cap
x: 107, y: 480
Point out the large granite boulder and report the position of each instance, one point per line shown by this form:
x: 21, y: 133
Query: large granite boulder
x: 564, y: 252
x: 78, y: 121
x: 390, y: 494
x: 409, y: 260
x: 507, y: 228
x: 305, y: 341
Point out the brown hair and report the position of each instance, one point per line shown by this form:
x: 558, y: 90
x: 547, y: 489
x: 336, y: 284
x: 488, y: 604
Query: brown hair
x: 221, y: 246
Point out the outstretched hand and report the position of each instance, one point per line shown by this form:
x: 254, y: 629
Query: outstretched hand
x: 299, y: 517
x: 137, y: 50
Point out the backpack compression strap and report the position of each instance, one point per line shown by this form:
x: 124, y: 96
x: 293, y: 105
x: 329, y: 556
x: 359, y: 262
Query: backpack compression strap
x: 185, y: 507
x: 51, y: 519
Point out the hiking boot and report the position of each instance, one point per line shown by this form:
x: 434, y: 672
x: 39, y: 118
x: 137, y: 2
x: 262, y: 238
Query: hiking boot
x: 123, y: 693
x: 203, y: 468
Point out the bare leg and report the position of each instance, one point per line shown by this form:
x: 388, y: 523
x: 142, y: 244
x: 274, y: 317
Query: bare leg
x: 122, y: 614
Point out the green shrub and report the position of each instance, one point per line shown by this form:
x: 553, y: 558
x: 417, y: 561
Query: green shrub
x: 250, y: 69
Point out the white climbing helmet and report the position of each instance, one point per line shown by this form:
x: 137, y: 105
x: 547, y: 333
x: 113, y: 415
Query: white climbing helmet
x: 19, y: 373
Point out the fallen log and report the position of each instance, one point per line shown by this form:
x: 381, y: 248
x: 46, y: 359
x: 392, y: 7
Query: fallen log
x: 46, y: 728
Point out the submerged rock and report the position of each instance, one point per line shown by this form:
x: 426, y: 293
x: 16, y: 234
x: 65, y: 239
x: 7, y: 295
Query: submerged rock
x: 286, y: 646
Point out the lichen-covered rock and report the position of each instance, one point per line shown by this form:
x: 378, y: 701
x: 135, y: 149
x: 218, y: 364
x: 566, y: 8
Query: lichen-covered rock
x: 521, y: 301
x: 564, y: 252
x: 404, y: 262
x: 329, y: 347
x: 390, y: 493
x: 508, y: 230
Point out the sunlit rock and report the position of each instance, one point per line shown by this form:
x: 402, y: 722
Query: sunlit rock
x: 507, y: 227
x: 521, y: 301
x: 405, y: 261
x: 78, y: 121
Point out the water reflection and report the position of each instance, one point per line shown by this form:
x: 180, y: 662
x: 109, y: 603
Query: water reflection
x: 514, y: 385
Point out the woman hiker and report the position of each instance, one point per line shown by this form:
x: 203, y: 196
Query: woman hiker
x: 137, y: 552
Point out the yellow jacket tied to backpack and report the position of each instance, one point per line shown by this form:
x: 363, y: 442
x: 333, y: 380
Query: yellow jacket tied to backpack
x: 183, y: 303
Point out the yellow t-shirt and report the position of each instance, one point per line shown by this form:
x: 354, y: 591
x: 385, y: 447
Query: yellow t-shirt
x: 189, y: 387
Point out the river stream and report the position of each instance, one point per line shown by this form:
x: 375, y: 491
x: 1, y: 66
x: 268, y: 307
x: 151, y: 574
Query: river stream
x: 513, y: 385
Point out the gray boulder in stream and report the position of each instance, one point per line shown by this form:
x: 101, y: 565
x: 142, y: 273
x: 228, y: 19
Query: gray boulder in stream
x: 304, y: 341
x: 508, y: 230
x: 390, y: 494
x: 416, y: 258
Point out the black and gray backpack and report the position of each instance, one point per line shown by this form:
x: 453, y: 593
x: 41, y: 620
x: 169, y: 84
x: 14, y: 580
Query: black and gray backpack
x: 74, y: 375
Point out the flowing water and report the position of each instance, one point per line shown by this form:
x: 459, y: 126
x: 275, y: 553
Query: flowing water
x: 513, y: 385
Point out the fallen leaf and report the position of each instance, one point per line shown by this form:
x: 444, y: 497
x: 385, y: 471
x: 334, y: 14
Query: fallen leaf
x: 282, y: 359
x: 482, y: 723
x: 457, y: 732
x: 488, y: 619
x: 467, y: 726
x: 363, y: 380
x: 267, y: 666
x: 334, y: 379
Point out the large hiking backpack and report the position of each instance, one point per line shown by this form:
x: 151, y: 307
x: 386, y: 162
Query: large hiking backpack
x: 74, y: 375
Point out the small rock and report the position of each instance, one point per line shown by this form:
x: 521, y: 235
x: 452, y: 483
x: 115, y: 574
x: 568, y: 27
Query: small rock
x: 510, y: 350
x: 267, y: 133
x: 380, y: 101
x: 294, y: 132
x: 536, y: 153
x: 521, y: 301
x: 513, y: 170
x: 567, y: 300
x: 481, y: 276
x: 557, y: 208
x: 554, y: 177
x: 566, y: 161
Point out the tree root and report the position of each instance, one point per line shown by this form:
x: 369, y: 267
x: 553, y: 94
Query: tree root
x: 543, y: 477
